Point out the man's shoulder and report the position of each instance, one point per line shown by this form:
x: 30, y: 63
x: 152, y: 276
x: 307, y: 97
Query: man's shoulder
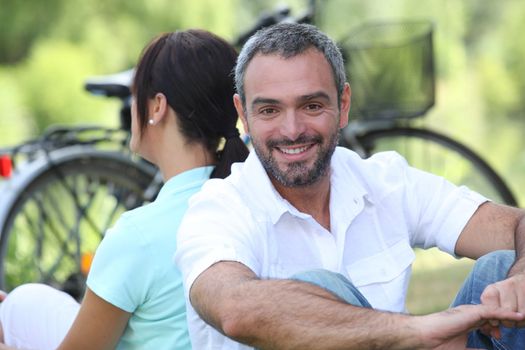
x: 217, y: 196
x: 216, y: 188
x: 248, y: 180
x: 375, y: 176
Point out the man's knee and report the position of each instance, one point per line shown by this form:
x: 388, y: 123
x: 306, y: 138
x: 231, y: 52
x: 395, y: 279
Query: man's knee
x: 488, y: 269
x: 496, y: 263
x: 335, y: 283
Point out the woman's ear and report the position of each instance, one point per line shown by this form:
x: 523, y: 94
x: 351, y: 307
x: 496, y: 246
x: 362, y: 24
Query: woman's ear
x: 158, y: 108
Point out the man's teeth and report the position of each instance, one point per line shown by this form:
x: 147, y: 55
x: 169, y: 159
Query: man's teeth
x: 294, y: 150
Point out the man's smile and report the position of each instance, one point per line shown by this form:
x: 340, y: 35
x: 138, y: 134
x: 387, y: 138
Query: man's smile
x: 294, y: 150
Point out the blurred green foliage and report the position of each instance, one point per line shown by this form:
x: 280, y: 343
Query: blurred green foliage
x: 48, y: 48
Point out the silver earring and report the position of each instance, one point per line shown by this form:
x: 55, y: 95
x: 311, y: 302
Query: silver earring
x: 151, y: 122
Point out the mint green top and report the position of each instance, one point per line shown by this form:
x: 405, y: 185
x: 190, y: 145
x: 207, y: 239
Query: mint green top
x: 133, y: 267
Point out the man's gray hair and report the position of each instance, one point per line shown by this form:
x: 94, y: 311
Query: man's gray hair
x: 289, y: 40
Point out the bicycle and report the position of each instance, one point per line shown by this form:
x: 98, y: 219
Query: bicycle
x: 69, y: 185
x: 66, y: 189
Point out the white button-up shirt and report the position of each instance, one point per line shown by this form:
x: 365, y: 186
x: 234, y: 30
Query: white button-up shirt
x: 379, y: 209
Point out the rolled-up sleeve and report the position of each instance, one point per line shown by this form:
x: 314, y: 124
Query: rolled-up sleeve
x: 440, y: 210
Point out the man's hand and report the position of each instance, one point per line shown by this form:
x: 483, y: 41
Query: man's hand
x: 448, y: 330
x: 508, y: 294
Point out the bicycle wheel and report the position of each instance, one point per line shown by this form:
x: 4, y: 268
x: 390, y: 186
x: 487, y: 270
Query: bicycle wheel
x: 59, y: 215
x: 440, y: 155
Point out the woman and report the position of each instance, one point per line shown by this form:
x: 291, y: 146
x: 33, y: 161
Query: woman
x: 182, y: 109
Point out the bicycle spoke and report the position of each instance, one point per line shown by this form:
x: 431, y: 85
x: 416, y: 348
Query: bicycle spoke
x: 33, y: 228
x: 111, y: 217
x: 49, y: 217
x: 76, y: 199
x: 62, y: 215
x: 73, y: 251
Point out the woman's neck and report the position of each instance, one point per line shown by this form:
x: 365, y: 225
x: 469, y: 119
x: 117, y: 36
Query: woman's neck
x: 190, y: 157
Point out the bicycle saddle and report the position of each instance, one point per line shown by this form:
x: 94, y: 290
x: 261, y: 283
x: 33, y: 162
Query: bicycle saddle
x: 112, y: 85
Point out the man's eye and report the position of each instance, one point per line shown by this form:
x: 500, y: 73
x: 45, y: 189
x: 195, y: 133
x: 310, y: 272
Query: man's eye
x: 268, y: 111
x: 313, y: 107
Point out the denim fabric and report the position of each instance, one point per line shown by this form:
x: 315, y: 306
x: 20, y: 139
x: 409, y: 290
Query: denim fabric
x: 489, y: 269
x: 335, y: 283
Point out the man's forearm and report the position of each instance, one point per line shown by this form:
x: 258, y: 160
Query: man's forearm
x: 288, y: 314
x: 296, y: 315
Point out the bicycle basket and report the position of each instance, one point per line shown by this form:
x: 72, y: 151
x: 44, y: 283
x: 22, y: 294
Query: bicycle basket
x: 391, y: 70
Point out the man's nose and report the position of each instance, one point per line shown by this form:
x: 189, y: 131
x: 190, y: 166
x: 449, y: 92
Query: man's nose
x: 292, y: 125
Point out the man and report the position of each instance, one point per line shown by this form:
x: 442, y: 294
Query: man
x: 306, y: 246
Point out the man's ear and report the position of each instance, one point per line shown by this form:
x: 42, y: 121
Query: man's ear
x: 241, y: 112
x: 344, y: 110
x: 158, y: 107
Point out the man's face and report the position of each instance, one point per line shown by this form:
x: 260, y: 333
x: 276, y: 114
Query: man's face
x: 292, y: 115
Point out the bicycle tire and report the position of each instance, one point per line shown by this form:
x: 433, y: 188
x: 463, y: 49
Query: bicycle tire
x: 61, y: 210
x: 439, y: 154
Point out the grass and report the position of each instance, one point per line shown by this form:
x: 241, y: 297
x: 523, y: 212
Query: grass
x: 436, y: 278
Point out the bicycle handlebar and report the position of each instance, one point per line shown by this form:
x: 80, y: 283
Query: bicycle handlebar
x: 265, y: 20
x: 280, y: 14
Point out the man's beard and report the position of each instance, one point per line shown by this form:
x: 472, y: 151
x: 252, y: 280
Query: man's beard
x: 297, y: 174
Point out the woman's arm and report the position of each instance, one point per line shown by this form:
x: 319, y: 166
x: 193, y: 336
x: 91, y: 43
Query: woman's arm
x: 98, y: 325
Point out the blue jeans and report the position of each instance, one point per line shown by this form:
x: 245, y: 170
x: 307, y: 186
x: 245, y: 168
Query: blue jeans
x: 488, y: 269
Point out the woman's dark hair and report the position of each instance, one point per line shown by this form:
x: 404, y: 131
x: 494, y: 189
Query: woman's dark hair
x: 193, y: 69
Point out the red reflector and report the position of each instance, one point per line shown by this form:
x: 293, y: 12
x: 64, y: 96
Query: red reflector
x: 6, y: 166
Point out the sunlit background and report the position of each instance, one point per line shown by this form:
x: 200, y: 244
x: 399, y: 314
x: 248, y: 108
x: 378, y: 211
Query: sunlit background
x: 48, y: 48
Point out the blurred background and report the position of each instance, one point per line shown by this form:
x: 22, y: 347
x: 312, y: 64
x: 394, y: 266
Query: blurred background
x: 48, y: 48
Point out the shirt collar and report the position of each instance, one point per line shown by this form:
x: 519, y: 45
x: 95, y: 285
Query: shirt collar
x: 262, y: 194
x: 348, y: 196
x: 343, y: 175
x: 186, y: 179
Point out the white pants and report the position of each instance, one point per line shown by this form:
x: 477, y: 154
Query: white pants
x: 36, y: 316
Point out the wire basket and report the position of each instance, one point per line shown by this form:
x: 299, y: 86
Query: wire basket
x: 390, y: 67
